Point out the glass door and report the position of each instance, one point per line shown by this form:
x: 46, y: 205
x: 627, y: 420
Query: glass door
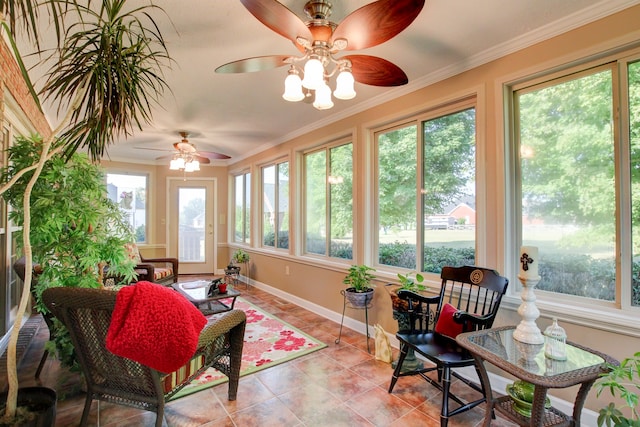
x: 192, y: 233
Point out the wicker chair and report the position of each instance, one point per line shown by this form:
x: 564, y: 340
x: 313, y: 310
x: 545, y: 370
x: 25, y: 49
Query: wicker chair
x: 87, y: 314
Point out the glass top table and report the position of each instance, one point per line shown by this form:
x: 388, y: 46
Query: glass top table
x: 527, y: 362
x: 198, y: 293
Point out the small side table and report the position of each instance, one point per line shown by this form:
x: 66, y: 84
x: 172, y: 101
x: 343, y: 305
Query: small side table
x: 366, y: 317
x: 527, y: 362
x: 232, y: 273
x: 198, y: 293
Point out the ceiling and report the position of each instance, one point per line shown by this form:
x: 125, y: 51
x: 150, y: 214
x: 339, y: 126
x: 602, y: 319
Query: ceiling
x: 241, y: 114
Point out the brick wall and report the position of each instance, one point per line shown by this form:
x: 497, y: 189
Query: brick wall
x: 11, y: 80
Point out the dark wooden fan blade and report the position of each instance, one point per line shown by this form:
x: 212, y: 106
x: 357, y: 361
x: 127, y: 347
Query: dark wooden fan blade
x: 377, y: 22
x: 374, y: 71
x: 250, y: 65
x: 202, y: 160
x: 213, y: 155
x: 278, y: 17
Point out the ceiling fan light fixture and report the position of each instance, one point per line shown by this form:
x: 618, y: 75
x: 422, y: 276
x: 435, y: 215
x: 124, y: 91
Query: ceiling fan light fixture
x: 192, y: 166
x: 313, y: 73
x: 344, y: 85
x: 293, y: 86
x: 323, y: 97
x: 176, y: 163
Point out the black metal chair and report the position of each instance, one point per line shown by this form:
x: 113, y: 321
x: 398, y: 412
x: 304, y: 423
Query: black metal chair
x: 468, y: 301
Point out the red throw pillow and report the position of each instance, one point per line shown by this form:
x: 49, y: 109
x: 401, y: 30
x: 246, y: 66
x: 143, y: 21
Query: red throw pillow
x: 446, y: 325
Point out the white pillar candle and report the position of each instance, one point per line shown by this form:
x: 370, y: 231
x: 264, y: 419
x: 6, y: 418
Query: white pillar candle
x: 529, y: 262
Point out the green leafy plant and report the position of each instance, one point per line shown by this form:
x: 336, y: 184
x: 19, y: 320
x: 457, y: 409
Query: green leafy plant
x: 359, y: 278
x: 107, y: 73
x: 412, y: 283
x: 240, y: 256
x: 73, y: 237
x: 621, y: 381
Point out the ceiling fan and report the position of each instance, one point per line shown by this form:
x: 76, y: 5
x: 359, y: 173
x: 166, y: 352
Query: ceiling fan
x: 319, y: 39
x: 186, y: 150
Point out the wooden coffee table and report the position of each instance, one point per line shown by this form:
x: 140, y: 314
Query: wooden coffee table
x: 197, y: 292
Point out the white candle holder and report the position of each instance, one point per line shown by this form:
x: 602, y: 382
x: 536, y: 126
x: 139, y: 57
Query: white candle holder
x: 527, y: 331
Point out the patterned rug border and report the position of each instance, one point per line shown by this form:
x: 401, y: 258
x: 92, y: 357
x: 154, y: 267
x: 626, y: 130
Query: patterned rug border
x: 253, y: 369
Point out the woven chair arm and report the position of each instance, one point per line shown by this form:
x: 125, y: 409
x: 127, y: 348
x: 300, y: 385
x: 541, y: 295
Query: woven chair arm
x: 221, y: 326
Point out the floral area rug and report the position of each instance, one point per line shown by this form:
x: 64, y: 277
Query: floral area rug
x: 268, y: 341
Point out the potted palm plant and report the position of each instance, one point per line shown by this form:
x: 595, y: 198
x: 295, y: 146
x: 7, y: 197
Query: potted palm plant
x: 106, y: 75
x: 359, y: 292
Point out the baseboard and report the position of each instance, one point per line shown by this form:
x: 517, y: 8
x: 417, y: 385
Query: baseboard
x: 498, y: 383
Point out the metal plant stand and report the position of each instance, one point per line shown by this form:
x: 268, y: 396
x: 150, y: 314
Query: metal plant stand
x: 366, y: 317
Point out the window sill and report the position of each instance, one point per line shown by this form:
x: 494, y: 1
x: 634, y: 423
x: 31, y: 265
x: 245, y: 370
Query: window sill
x: 604, y: 318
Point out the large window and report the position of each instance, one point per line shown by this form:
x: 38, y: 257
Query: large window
x: 441, y: 230
x: 242, y: 219
x: 130, y: 193
x: 329, y: 201
x: 580, y: 181
x: 275, y: 205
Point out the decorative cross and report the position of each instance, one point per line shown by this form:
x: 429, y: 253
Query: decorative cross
x: 525, y: 260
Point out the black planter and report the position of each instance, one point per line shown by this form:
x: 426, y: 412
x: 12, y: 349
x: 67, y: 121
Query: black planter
x: 41, y: 401
x: 358, y: 299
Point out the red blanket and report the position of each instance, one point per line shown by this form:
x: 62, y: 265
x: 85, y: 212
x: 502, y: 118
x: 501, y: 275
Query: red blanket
x: 155, y: 326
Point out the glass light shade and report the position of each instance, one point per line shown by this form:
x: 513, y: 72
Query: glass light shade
x: 293, y: 88
x: 177, y: 164
x: 344, y: 86
x: 313, y: 74
x: 323, y: 98
x: 192, y: 166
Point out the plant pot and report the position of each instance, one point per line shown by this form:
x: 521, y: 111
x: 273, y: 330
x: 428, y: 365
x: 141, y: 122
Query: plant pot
x: 40, y: 402
x: 358, y: 299
x: 397, y: 304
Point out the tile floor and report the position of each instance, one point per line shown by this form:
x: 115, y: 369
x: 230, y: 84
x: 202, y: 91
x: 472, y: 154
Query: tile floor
x: 341, y: 385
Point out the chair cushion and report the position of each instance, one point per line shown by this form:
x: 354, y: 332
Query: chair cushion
x: 159, y: 273
x: 180, y: 375
x: 446, y: 325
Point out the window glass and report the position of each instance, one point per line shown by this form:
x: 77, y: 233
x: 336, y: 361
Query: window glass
x: 275, y: 205
x: 341, y: 201
x: 130, y: 193
x: 568, y: 190
x: 329, y: 201
x: 269, y: 206
x: 397, y: 169
x: 242, y: 218
x: 449, y: 190
x: 634, y: 140
x: 316, y: 202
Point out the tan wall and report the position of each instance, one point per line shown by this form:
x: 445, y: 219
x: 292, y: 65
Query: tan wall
x: 319, y: 281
